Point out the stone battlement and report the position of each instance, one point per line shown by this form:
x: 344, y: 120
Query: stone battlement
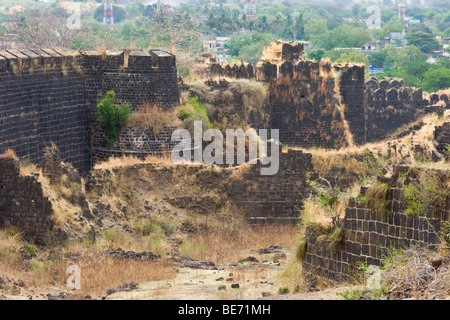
x: 49, y: 95
x: 17, y: 62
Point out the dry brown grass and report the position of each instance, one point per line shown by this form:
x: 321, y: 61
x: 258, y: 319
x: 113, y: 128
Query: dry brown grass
x: 240, y: 171
x: 325, y: 160
x: 99, y: 272
x: 230, y: 237
x: 115, y: 162
x: 102, y: 273
x: 165, y: 158
x: 9, y: 154
x: 150, y: 116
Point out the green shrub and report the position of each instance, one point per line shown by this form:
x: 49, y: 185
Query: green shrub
x: 195, y: 111
x: 283, y: 290
x: 300, y: 252
x: 112, y: 116
x: 167, y: 226
x: 428, y: 191
x: 37, y: 266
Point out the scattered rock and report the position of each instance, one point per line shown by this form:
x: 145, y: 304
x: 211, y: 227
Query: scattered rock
x: 59, y: 296
x: 266, y: 294
x: 271, y: 249
x: 249, y: 259
x: 126, y: 287
x: 313, y: 289
x: 235, y: 286
x: 219, y: 279
x: 185, y: 262
x: 2, y: 283
x: 88, y: 297
x: 15, y: 291
x: 224, y: 288
x: 437, y: 261
x: 145, y: 255
x: 280, y: 255
x: 107, y: 224
x: 263, y: 281
x: 21, y: 284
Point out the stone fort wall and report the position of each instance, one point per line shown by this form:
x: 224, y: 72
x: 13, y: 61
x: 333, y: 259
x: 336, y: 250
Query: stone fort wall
x: 369, y: 236
x: 50, y: 95
x: 22, y: 203
x: 319, y: 104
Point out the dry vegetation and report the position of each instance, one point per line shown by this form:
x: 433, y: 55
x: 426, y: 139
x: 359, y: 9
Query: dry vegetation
x: 46, y: 271
x: 228, y: 236
x: 9, y: 154
x: 350, y: 157
x: 150, y: 116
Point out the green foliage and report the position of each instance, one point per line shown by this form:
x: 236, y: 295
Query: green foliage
x: 318, y: 54
x: 283, y: 290
x: 167, y: 226
x: 420, y: 195
x: 300, y: 252
x: 436, y: 79
x: 326, y: 196
x: 353, y: 57
x: 352, y: 293
x: 194, y: 112
x: 37, y: 266
x: 361, y: 293
x: 378, y: 59
x: 30, y: 249
x: 424, y: 41
x: 445, y: 233
x: 249, y: 48
x: 112, y: 116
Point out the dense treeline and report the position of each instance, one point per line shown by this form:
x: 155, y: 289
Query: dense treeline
x: 328, y: 26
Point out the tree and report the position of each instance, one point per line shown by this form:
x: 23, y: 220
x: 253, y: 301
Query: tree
x: 317, y: 55
x: 377, y: 59
x: 45, y: 28
x: 347, y: 36
x: 236, y: 43
x: 316, y: 31
x: 424, y: 41
x: 436, y: 79
x: 394, y: 25
x: 170, y: 29
x: 409, y: 53
x: 353, y: 57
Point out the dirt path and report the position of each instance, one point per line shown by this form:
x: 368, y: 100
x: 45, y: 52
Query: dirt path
x: 241, y: 281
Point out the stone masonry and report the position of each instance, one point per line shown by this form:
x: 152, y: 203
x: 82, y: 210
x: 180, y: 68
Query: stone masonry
x: 369, y: 236
x: 50, y: 95
x: 23, y: 205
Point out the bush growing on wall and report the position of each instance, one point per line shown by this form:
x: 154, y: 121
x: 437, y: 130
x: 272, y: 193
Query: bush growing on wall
x: 112, y: 116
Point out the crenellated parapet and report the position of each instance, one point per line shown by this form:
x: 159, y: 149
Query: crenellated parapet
x: 234, y: 71
x: 389, y: 104
x: 24, y: 61
x: 50, y: 95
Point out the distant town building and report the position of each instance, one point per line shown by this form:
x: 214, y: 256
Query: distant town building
x: 398, y: 38
x: 213, y: 43
x: 250, y: 9
x: 401, y: 11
